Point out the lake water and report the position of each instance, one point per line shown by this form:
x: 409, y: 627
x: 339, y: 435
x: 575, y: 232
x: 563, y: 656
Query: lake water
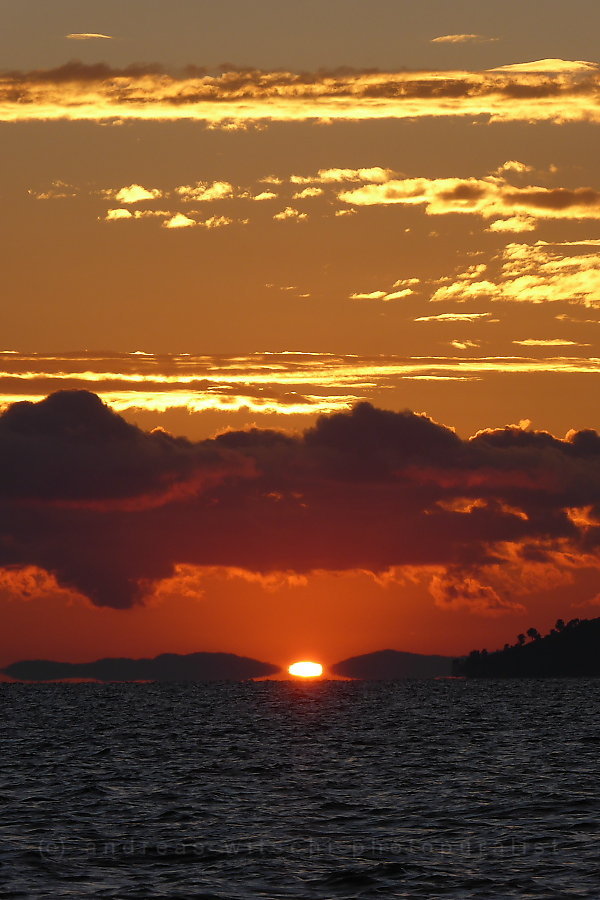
x: 317, y: 790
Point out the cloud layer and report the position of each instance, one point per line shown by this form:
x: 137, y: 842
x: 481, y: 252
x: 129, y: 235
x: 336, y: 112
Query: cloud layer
x: 110, y: 511
x: 286, y: 384
x: 555, y: 90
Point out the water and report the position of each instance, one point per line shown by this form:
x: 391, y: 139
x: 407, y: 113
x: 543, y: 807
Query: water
x: 323, y: 790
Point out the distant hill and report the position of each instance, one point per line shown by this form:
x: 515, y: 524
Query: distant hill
x: 166, y: 667
x: 388, y: 665
x: 569, y: 650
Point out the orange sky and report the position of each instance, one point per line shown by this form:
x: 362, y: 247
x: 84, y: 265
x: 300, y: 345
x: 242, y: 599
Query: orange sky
x: 216, y: 231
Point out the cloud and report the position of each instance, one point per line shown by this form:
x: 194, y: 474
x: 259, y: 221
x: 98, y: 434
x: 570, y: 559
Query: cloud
x: 285, y: 384
x: 405, y: 286
x: 135, y: 193
x: 532, y: 273
x: 514, y: 224
x: 205, y: 192
x: 166, y: 667
x: 114, y: 215
x: 110, y: 511
x: 513, y: 165
x: 308, y: 193
x: 553, y: 342
x: 457, y: 591
x: 375, y: 174
x: 88, y: 36
x: 549, y: 67
x: 382, y: 295
x: 180, y: 221
x: 552, y: 91
x: 58, y: 190
x: 290, y: 213
x: 464, y: 345
x: 487, y: 197
x: 463, y: 39
x: 454, y: 317
x: 220, y: 222
x: 399, y: 295
x: 373, y: 295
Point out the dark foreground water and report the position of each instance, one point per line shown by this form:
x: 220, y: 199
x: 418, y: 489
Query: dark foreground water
x: 325, y: 790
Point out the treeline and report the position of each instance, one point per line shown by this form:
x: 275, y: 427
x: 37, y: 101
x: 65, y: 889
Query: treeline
x: 569, y: 649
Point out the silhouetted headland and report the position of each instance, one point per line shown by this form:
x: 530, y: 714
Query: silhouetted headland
x: 166, y: 667
x: 568, y: 650
x: 387, y: 665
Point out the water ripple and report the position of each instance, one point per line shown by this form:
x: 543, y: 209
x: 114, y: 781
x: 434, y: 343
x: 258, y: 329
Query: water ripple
x: 276, y: 790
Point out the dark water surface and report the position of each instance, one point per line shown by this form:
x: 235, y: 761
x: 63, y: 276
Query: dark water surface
x: 323, y: 790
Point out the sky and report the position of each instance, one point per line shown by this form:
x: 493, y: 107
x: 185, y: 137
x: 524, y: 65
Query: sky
x: 333, y: 269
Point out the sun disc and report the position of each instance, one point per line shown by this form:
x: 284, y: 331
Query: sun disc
x: 306, y: 669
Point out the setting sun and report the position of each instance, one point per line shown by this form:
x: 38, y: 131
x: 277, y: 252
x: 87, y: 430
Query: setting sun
x: 306, y: 669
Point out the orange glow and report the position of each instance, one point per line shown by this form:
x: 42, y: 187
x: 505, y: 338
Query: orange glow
x: 306, y: 669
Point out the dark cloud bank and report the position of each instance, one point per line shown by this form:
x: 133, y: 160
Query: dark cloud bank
x: 109, y: 509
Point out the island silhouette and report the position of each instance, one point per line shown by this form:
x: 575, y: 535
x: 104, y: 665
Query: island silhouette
x: 570, y: 649
x: 166, y: 667
x: 389, y: 665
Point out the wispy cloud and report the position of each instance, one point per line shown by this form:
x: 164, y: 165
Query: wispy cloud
x: 464, y: 345
x: 549, y: 67
x: 454, y: 317
x: 88, y: 36
x: 405, y: 289
x: 551, y: 342
x: 286, y: 384
x: 375, y: 174
x: 463, y: 39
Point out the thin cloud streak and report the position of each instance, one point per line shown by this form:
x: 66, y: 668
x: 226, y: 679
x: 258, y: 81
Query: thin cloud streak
x: 463, y: 39
x: 264, y: 384
x: 88, y: 36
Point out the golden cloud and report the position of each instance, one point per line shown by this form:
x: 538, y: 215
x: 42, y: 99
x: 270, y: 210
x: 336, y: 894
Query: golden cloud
x: 555, y: 91
x: 88, y: 36
x: 180, y: 221
x: 551, y: 342
x: 135, y: 193
x: 487, y: 197
x: 463, y: 39
x: 290, y: 213
x: 301, y: 384
x: 205, y: 192
x: 532, y: 273
x: 454, y: 317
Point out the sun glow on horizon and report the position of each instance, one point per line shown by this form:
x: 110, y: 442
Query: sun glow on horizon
x: 306, y: 669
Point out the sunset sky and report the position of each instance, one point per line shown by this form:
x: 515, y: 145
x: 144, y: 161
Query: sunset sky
x: 339, y: 262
